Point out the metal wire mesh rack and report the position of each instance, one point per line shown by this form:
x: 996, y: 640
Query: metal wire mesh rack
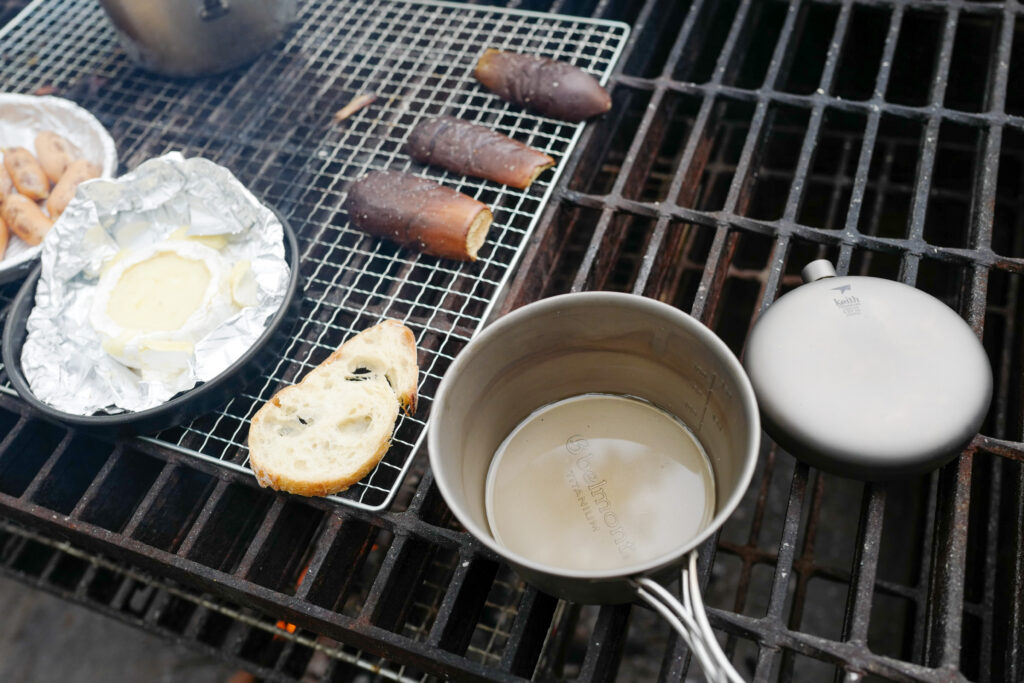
x: 270, y: 123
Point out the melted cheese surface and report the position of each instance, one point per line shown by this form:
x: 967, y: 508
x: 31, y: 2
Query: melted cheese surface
x: 158, y: 294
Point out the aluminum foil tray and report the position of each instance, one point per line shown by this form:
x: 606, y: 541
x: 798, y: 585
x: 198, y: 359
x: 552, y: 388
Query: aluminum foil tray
x: 272, y: 124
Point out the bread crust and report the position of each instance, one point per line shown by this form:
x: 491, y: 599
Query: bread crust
x: 475, y: 150
x: 417, y: 213
x: 387, y: 352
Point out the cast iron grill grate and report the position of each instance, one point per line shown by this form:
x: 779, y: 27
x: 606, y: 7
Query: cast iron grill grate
x: 271, y: 125
x: 882, y: 135
x: 747, y: 138
x: 184, y: 615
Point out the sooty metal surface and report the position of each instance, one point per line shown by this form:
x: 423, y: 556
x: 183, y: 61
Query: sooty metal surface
x: 747, y: 138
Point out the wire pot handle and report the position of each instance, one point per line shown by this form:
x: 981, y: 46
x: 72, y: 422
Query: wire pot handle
x: 690, y: 621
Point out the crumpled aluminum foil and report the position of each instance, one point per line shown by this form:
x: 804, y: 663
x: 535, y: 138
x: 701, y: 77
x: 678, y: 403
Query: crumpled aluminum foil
x: 62, y: 357
x: 22, y: 117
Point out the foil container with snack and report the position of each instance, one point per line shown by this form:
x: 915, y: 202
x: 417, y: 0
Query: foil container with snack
x: 23, y: 118
x: 151, y: 284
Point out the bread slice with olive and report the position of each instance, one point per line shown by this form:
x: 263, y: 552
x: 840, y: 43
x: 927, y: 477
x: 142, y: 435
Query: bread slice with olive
x: 330, y: 430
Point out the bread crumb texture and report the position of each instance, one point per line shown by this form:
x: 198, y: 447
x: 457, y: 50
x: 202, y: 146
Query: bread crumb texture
x: 330, y: 430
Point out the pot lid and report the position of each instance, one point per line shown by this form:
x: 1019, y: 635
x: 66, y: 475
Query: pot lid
x: 866, y: 377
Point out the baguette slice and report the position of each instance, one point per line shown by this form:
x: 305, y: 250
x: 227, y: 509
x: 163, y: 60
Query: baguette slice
x: 330, y: 430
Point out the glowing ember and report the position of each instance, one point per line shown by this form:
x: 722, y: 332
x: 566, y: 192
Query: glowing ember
x: 285, y: 626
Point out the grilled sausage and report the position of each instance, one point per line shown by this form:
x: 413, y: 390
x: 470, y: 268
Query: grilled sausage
x: 25, y: 219
x: 5, y: 236
x: 62, y: 193
x: 55, y: 154
x: 551, y: 88
x: 26, y: 173
x: 6, y: 184
x: 475, y: 150
x: 418, y: 213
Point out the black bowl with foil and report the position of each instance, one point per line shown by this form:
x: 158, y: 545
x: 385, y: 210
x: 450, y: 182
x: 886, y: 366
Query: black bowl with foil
x: 184, y: 406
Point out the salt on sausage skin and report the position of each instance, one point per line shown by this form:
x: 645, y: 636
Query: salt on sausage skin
x: 418, y: 213
x: 474, y: 150
x: 26, y: 173
x: 552, y: 88
x: 25, y: 219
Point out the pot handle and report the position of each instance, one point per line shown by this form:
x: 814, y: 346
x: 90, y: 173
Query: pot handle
x: 213, y: 9
x: 690, y: 621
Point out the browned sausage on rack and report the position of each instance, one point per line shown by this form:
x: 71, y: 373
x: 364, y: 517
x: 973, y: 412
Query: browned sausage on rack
x: 475, y: 150
x: 418, y: 213
x: 548, y: 87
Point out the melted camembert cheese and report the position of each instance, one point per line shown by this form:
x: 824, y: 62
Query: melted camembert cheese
x: 158, y: 294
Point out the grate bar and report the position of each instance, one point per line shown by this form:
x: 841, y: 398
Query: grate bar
x: 991, y: 559
x: 203, y: 518
x: 784, y: 566
x: 757, y: 520
x: 47, y: 467
x: 533, y: 615
x: 943, y: 643
x: 808, y: 101
x: 862, y: 589
x: 601, y: 662
x: 324, y: 542
x: 846, y: 654
x: 98, y: 482
x: 148, y: 501
x: 1014, y: 641
x: 259, y: 540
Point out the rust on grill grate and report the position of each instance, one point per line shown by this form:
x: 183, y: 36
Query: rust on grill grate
x: 747, y: 138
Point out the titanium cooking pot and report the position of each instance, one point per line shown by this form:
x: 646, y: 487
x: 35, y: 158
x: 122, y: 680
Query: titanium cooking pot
x: 604, y: 343
x: 198, y: 37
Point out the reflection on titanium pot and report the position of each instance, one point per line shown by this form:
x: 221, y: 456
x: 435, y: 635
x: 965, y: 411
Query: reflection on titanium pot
x: 198, y: 37
x: 598, y: 421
